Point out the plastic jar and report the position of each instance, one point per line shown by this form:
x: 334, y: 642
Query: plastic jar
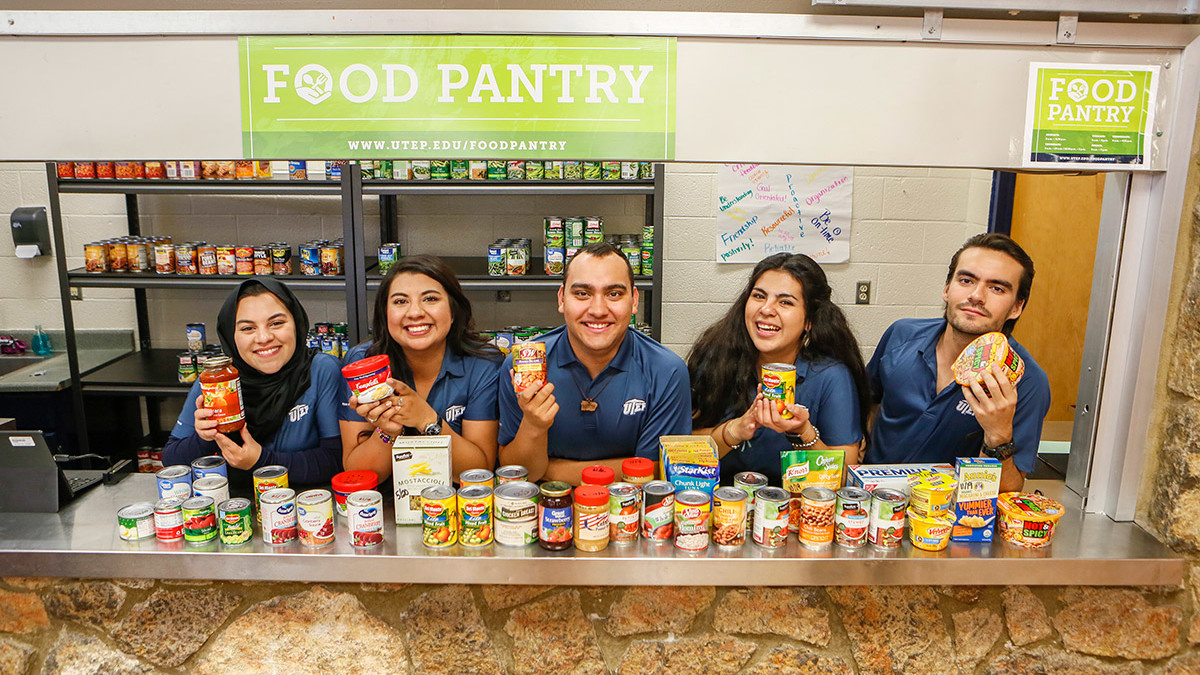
x: 597, y: 474
x: 222, y: 391
x: 637, y: 470
x: 556, y: 515
x: 591, y: 518
x: 368, y: 378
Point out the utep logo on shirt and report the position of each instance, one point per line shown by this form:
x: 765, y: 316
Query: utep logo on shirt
x: 298, y: 412
x: 964, y: 408
x: 633, y: 406
x: 454, y: 412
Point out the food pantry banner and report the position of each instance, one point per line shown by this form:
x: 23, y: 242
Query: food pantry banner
x: 763, y: 209
x: 1081, y: 115
x: 458, y: 96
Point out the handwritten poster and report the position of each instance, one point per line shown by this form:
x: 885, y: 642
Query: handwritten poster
x: 764, y: 209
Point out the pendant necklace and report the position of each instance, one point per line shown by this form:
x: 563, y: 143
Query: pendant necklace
x: 588, y: 403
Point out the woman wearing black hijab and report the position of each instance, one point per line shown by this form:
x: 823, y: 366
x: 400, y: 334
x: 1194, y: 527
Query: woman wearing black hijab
x: 294, y: 396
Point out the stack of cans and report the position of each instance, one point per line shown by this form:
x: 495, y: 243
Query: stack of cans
x: 322, y: 257
x: 330, y: 338
x: 122, y: 254
x: 509, y: 257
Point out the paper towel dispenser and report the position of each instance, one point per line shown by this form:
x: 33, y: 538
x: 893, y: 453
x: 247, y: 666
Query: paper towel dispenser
x: 30, y: 231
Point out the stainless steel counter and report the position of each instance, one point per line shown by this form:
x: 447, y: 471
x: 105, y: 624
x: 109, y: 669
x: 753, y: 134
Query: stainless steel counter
x: 82, y: 541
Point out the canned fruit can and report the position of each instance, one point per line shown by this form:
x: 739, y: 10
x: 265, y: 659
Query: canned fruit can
x: 439, y: 516
x: 136, y: 521
x: 771, y: 507
x: 929, y: 533
x: 511, y: 473
x: 365, y: 509
x: 851, y: 517
x: 729, y: 510
x: 234, y: 520
x: 658, y: 511
x: 314, y: 517
x: 779, y: 385
x: 529, y: 365
x: 750, y: 481
x: 475, y: 515
x: 168, y: 519
x: 477, y: 477
x: 215, y: 486
x: 886, y: 527
x: 624, y: 512
x: 267, y: 478
x: 816, y: 516
x: 516, y: 508
x: 692, y: 510
x: 174, y: 481
x: 278, y: 510
x: 199, y: 519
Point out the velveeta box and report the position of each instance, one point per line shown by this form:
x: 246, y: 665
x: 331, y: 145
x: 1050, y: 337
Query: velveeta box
x: 809, y: 468
x: 689, y: 462
x: 975, y: 498
x: 417, y: 463
x: 892, y: 476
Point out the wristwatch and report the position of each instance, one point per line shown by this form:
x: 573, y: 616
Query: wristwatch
x: 434, y: 429
x: 1000, y: 452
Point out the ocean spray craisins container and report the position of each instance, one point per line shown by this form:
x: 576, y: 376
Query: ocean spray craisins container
x: 278, y: 509
x: 368, y: 378
x: 529, y: 365
x: 658, y: 511
x: 779, y: 385
x: 365, y: 508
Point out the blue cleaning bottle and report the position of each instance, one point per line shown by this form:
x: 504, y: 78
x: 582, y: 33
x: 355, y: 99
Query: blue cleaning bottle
x: 41, y: 342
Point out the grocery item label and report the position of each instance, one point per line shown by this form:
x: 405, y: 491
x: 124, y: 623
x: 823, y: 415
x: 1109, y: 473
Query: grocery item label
x: 224, y: 399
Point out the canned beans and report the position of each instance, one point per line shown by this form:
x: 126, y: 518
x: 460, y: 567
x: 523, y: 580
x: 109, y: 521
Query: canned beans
x: 816, y: 516
x: 729, y: 516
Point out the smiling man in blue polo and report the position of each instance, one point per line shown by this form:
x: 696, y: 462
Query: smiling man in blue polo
x: 923, y: 414
x: 610, y: 391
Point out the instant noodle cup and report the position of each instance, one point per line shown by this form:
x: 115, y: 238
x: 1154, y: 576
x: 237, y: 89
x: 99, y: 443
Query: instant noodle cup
x: 929, y: 533
x: 368, y: 378
x: 1027, y: 520
x: 979, y: 356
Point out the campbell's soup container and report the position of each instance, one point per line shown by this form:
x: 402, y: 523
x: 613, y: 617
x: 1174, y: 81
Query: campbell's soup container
x: 368, y: 378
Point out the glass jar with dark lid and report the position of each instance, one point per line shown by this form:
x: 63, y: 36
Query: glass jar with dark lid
x: 556, y: 515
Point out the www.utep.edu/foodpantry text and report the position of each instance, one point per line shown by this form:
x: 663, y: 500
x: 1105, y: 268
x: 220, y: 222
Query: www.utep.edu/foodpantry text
x: 518, y: 145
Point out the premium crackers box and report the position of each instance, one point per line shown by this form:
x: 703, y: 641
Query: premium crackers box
x: 893, y: 476
x: 417, y: 463
x: 975, y: 498
x: 689, y: 462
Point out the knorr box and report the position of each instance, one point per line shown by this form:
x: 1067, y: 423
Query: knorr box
x: 809, y: 468
x: 975, y: 498
x: 417, y: 463
x: 892, y: 476
x: 689, y: 462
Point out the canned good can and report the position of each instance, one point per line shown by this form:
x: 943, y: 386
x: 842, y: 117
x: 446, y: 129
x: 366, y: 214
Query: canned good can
x: 383, y: 169
x: 106, y: 170
x: 629, y: 170
x: 771, y: 506
x: 645, y: 170
x: 729, y: 510
x: 281, y: 259
x: 262, y: 261
x: 365, y: 509
x: 243, y: 260
x: 658, y: 511
x: 497, y: 169
x: 331, y: 260
x: 174, y: 481
x: 199, y: 520
x: 816, y: 516
x: 516, y: 261
x: 236, y: 526
x: 387, y: 256
x: 267, y: 478
x: 439, y: 516
x: 496, y: 256
x: 515, y: 169
x: 206, y: 259
x: 851, y: 517
x: 459, y: 169
x: 750, y: 481
x: 215, y: 486
x: 168, y: 519
x: 310, y: 260
x: 529, y: 365
x: 136, y: 250
x: 885, y: 529
x: 593, y: 170
x: 226, y: 260
x: 297, y: 170
x: 314, y: 517
x: 692, y: 510
x: 66, y: 169
x: 278, y: 511
x: 420, y: 169
x: 197, y: 337
x: 475, y: 514
x: 611, y: 170
x: 118, y: 257
x: 534, y: 169
x: 624, y: 512
x: 477, y: 169
x: 552, y: 169
x: 476, y: 477
x: 188, y: 371
x: 136, y: 521
x: 439, y: 169
x: 95, y: 259
x: 85, y: 169
x: 129, y: 170
x: 779, y: 385
x: 515, y: 505
x: 511, y: 473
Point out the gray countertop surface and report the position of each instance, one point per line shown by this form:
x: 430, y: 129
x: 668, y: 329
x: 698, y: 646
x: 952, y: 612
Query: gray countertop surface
x: 54, y: 372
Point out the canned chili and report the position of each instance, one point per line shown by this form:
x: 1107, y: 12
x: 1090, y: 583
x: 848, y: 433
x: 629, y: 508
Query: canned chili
x: 729, y: 516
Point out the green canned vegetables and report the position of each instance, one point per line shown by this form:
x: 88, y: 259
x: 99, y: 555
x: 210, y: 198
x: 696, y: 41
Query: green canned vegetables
x: 235, y: 524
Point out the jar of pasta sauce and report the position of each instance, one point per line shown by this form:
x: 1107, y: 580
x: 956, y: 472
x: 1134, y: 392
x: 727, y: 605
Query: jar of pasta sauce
x: 222, y: 392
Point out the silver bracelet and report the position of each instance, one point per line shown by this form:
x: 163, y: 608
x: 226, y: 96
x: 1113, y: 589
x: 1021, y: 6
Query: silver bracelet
x: 798, y: 442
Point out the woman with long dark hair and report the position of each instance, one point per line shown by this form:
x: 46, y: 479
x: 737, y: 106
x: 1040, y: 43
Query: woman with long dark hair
x: 783, y: 315
x: 444, y: 375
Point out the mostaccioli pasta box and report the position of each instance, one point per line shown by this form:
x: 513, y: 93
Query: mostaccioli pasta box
x: 893, y: 476
x: 975, y: 498
x: 417, y: 463
x: 689, y: 462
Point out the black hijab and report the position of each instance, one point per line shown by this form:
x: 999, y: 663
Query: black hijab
x: 267, y: 398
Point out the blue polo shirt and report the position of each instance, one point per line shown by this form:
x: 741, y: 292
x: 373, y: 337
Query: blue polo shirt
x: 916, y: 423
x: 827, y: 389
x: 642, y: 394
x: 465, y: 388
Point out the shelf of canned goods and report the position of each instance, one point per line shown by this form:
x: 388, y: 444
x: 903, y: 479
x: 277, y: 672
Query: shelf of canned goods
x: 82, y: 540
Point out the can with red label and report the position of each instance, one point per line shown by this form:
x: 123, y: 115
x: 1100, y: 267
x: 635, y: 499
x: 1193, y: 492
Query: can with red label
x: 658, y: 511
x: 85, y: 169
x: 771, y: 508
x: 624, y: 512
x: 278, y: 508
x: 851, y: 517
x: 314, y: 517
x: 106, y: 169
x: 692, y: 510
x: 886, y: 527
x: 244, y: 260
x: 66, y: 169
x: 365, y: 508
x: 168, y: 519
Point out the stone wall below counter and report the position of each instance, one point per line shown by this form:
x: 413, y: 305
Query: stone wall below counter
x: 145, y: 626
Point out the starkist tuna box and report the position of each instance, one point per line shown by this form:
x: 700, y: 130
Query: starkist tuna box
x: 689, y: 462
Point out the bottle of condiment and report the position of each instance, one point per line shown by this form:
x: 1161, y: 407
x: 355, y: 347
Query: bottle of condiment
x: 637, y: 470
x: 222, y: 391
x: 597, y: 474
x: 591, y: 518
x: 555, y: 516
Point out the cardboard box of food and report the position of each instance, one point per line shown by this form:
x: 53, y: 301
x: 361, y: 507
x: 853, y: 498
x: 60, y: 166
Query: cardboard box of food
x: 893, y: 476
x: 417, y: 463
x: 975, y: 498
x: 808, y: 468
x: 689, y: 462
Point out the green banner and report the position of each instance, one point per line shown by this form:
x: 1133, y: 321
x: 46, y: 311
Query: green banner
x: 1088, y: 115
x: 458, y: 96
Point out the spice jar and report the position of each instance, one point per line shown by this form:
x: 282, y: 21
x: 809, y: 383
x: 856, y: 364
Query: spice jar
x: 591, y: 518
x: 222, y: 391
x: 637, y: 470
x: 597, y: 474
x: 555, y: 516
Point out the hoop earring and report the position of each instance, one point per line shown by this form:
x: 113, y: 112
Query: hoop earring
x: 805, y: 339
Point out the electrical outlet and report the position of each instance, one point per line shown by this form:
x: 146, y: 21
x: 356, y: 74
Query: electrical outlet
x: 76, y: 293
x: 862, y: 293
x: 503, y: 296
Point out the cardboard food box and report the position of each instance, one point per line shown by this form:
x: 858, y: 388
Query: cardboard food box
x: 417, y: 463
x: 808, y: 468
x: 689, y: 462
x: 893, y: 476
x: 975, y: 498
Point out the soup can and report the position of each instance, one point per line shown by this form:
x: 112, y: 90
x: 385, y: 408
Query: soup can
x: 199, y: 520
x: 516, y: 513
x: 314, y: 517
x: 136, y: 521
x: 235, y: 521
x: 692, y: 510
x: 168, y: 519
x: 851, y: 517
x: 439, y: 516
x: 164, y: 258
x: 174, y: 481
x: 365, y: 509
x: 475, y: 515
x: 816, y: 516
x: 243, y: 260
x: 278, y: 510
x: 511, y: 473
x: 771, y: 508
x: 658, y: 511
x: 476, y: 477
x: 215, y: 486
x: 886, y: 527
x: 750, y: 481
x: 262, y: 261
x: 729, y: 516
x: 268, y: 478
x: 624, y: 512
x: 779, y: 385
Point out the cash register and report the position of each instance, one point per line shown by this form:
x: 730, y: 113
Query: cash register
x: 31, y: 480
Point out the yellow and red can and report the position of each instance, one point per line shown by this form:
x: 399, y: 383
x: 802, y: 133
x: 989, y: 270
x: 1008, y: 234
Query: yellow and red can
x: 529, y: 365
x: 779, y: 385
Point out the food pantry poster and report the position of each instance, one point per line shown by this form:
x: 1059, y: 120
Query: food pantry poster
x: 1081, y: 115
x: 763, y: 209
x: 458, y: 97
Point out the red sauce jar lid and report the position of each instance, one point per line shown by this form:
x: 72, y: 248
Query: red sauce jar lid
x: 598, y: 474
x: 637, y: 466
x: 367, y: 365
x: 591, y: 495
x: 353, y: 481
